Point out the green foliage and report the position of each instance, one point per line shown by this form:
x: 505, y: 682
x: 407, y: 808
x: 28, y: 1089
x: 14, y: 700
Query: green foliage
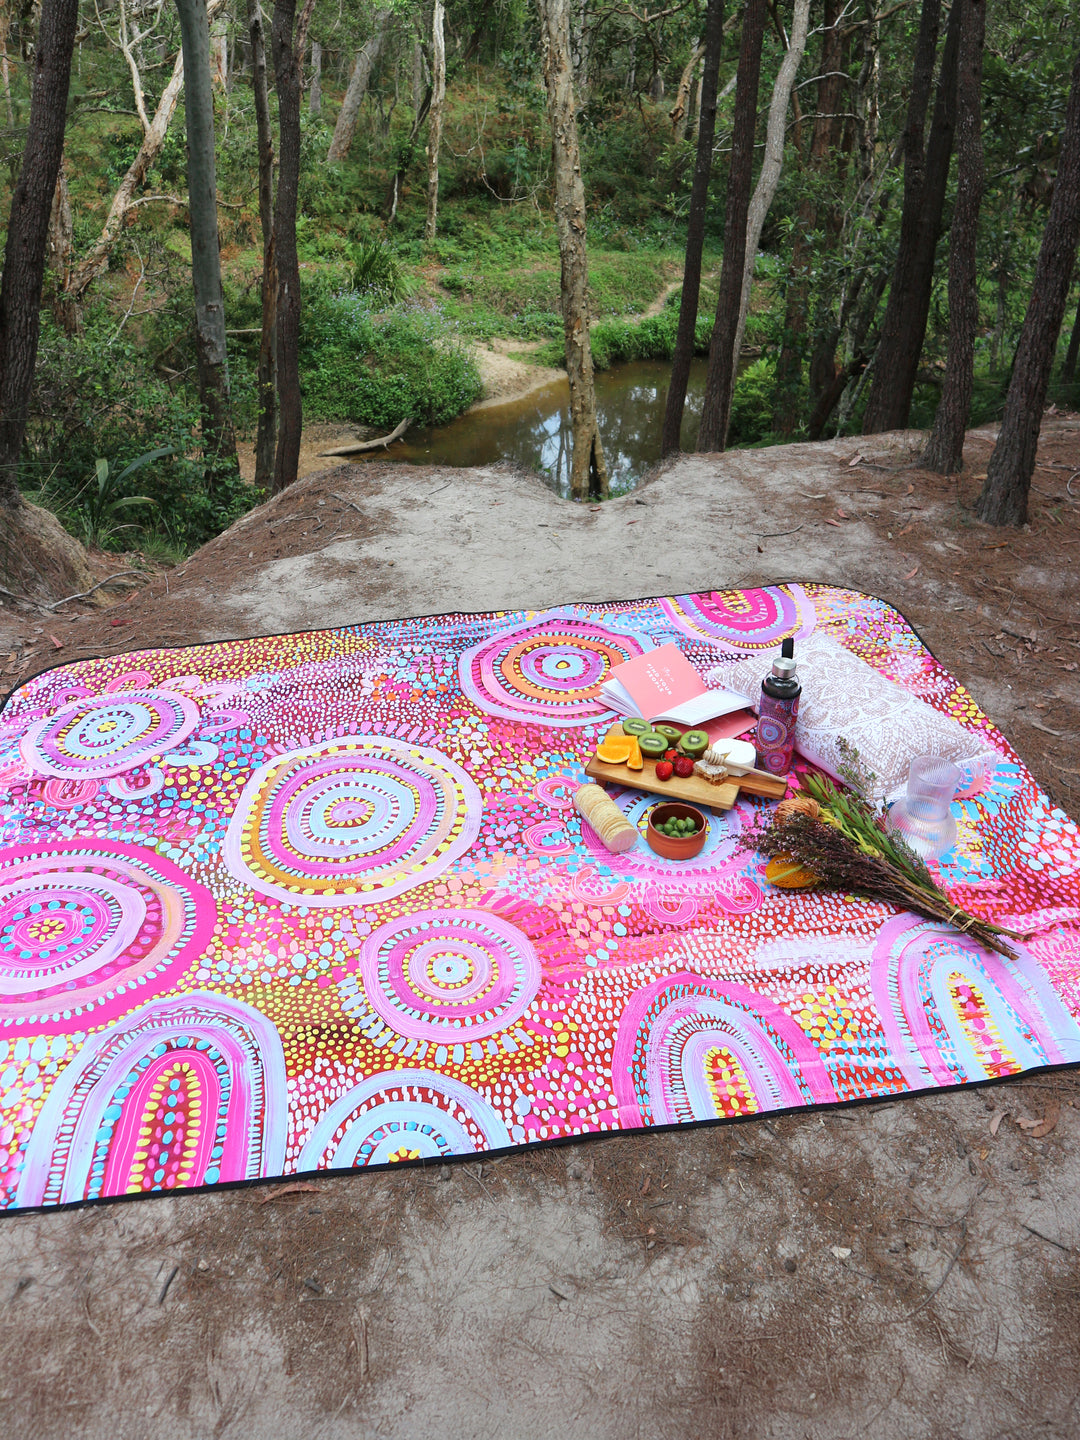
x: 373, y: 369
x: 99, y: 410
x: 377, y: 274
x: 752, y: 403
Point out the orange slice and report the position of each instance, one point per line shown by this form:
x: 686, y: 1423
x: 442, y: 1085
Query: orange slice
x: 635, y: 762
x: 784, y: 873
x: 616, y: 749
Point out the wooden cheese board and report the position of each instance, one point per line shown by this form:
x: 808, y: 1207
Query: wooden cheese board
x: 694, y: 790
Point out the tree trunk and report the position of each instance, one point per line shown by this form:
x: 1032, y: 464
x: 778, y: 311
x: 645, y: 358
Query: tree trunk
x: 945, y: 451
x: 1068, y: 370
x: 314, y: 99
x: 904, y: 326
x: 345, y: 128
x: 438, y: 95
x: 720, y: 377
x: 1008, y: 476
x: 788, y: 399
x: 682, y: 95
x: 588, y: 470
x: 290, y: 410
x: 695, y: 232
x: 27, y: 232
x: 772, y: 164
x: 219, y: 53
x: 218, y: 439
x: 61, y: 234
x: 266, y: 381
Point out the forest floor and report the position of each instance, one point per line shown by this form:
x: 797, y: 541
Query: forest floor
x: 903, y: 1271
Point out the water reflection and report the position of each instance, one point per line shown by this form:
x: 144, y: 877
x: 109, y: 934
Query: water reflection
x: 534, y: 432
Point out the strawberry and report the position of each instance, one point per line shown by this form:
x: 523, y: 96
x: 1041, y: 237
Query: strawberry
x: 671, y: 755
x: 684, y: 767
x: 665, y: 769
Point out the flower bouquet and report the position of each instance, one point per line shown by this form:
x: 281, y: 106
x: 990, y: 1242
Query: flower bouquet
x: 835, y: 838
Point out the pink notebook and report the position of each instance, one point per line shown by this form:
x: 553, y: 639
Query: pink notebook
x: 663, y: 685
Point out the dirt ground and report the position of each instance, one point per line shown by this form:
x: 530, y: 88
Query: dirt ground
x: 906, y: 1270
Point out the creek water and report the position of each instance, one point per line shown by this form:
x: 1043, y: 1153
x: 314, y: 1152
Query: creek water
x: 534, y: 431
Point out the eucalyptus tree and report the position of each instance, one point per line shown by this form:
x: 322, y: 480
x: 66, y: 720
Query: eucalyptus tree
x: 945, y: 451
x: 27, y: 232
x: 695, y: 230
x: 435, y: 122
x: 588, y: 469
x: 1004, y: 496
x: 366, y: 60
x: 266, y: 382
x: 720, y: 376
x: 218, y: 436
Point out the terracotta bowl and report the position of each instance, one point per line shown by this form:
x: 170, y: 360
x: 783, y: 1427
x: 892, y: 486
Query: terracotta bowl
x: 668, y: 847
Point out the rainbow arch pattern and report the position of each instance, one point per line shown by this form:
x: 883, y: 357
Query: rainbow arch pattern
x: 322, y: 902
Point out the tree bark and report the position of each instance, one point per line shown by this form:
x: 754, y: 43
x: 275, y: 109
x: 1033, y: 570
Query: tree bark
x: 720, y: 377
x: 266, y: 380
x: 945, y: 450
x: 27, y: 232
x: 1068, y: 370
x: 588, y: 470
x: 1004, y: 496
x: 345, y: 128
x: 218, y: 438
x: 314, y: 99
x: 677, y: 114
x: 772, y: 164
x: 695, y: 232
x: 438, y: 95
x: 58, y: 248
x: 290, y: 409
x: 908, y: 306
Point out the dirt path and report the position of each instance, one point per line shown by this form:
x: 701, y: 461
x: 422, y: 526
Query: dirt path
x: 900, y: 1271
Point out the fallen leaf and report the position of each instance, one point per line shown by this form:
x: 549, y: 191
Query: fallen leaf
x: 911, y: 573
x: 59, y: 644
x: 979, y: 477
x: 856, y: 461
x: 631, y: 522
x: 289, y: 1190
x: 910, y: 490
x: 1049, y: 1120
x: 996, y: 1119
x: 761, y: 549
x: 1026, y: 1124
x: 907, y: 529
x: 1000, y: 545
x: 841, y: 513
x: 951, y: 546
x: 836, y: 523
x: 122, y: 622
x: 651, y: 1230
x: 840, y: 1251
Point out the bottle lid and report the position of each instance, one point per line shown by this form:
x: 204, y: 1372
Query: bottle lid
x: 783, y: 667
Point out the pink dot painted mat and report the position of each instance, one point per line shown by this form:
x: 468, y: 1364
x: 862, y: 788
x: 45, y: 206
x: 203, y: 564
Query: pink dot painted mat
x: 322, y: 901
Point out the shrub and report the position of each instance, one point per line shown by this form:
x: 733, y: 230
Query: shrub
x: 374, y: 369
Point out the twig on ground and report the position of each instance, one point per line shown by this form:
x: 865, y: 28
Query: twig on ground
x: 120, y: 575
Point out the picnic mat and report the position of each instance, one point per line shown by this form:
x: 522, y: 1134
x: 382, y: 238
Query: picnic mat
x: 322, y: 901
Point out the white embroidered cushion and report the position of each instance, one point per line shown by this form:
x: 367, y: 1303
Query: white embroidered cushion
x: 845, y: 698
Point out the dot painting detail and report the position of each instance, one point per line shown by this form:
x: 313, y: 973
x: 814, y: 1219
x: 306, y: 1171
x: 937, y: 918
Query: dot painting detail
x: 323, y: 901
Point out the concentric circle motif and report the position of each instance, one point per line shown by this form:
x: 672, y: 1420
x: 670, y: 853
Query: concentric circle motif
x: 402, y: 1115
x: 351, y: 822
x: 101, y: 736
x: 446, y: 976
x: 746, y: 619
x: 549, y: 670
x: 81, y: 931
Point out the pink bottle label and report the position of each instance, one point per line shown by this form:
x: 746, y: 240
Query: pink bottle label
x: 776, y: 733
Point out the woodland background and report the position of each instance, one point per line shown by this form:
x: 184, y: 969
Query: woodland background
x: 392, y: 292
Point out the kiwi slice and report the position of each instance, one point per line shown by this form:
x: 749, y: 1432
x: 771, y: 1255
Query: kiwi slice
x: 652, y: 744
x: 634, y: 725
x: 694, y: 743
x: 670, y: 731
